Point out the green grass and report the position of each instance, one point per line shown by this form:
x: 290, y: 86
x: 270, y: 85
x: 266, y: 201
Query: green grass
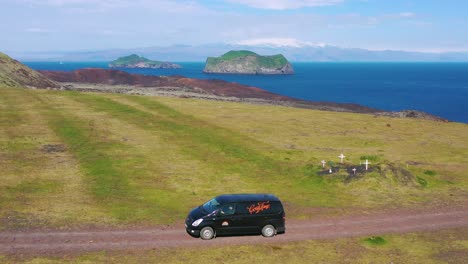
x: 372, y: 158
x: 115, y: 173
x: 133, y: 59
x: 226, y: 151
x: 274, y: 61
x: 16, y: 158
x: 421, y: 181
x: 5, y: 69
x: 234, y: 54
x: 375, y: 241
x: 134, y: 159
x: 15, y: 74
x: 430, y: 172
x: 36, y: 188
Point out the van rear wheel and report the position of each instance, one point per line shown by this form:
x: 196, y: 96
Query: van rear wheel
x: 207, y: 233
x: 268, y: 231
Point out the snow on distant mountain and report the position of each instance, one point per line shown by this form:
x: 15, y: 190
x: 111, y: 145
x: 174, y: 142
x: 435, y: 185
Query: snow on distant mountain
x: 278, y: 42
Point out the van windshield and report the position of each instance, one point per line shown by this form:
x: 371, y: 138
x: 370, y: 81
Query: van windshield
x: 211, y: 205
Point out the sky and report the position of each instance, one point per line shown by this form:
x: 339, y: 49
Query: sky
x: 78, y: 25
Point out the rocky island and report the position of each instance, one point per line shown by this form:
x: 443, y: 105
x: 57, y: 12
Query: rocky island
x: 135, y: 61
x: 248, y: 62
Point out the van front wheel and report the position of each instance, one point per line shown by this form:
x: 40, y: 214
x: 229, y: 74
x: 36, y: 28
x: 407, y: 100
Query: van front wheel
x: 268, y: 231
x: 207, y: 233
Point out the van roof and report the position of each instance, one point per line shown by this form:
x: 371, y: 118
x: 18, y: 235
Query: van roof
x: 227, y: 198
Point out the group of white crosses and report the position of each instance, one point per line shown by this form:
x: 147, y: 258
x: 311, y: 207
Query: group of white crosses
x: 342, y: 156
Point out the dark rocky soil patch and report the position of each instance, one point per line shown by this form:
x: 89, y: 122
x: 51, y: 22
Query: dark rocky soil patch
x: 53, y: 148
x: 412, y: 114
x: 358, y: 173
x: 402, y: 175
x: 20, y: 221
x: 351, y: 172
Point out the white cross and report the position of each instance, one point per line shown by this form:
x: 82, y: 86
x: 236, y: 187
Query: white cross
x: 323, y: 163
x: 341, y: 156
x: 354, y: 170
x: 367, y: 164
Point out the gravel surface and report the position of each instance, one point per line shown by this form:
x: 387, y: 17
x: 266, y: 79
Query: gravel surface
x: 56, y: 243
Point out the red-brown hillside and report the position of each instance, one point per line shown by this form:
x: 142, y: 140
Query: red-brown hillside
x: 116, y: 77
x: 213, y: 87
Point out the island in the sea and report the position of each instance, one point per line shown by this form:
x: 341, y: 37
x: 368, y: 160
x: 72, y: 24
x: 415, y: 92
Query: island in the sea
x: 135, y: 61
x: 248, y: 62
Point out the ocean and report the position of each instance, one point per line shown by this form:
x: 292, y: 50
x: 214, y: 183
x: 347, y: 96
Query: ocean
x: 437, y: 88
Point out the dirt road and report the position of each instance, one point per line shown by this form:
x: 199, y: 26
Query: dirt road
x: 82, y: 241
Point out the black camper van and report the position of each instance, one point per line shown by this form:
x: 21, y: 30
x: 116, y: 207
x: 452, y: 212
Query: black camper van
x: 237, y: 214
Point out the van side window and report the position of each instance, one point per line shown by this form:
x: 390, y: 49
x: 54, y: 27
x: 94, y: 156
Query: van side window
x: 242, y: 208
x: 276, y: 207
x: 227, y: 209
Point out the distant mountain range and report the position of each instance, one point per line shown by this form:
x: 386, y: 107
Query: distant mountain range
x: 186, y: 53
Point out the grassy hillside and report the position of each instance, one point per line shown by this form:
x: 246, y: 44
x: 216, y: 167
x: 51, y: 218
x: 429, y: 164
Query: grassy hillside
x: 133, y: 59
x: 71, y: 159
x: 236, y: 56
x: 15, y: 74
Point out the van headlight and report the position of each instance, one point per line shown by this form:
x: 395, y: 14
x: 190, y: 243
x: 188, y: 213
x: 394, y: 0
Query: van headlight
x: 197, y: 222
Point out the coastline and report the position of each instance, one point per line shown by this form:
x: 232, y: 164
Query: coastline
x: 178, y: 92
x: 436, y: 88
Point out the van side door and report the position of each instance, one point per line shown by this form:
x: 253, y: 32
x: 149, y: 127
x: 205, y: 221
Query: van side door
x: 226, y: 221
x: 248, y: 219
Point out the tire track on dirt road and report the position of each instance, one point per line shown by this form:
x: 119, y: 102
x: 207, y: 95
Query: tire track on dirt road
x: 84, y: 241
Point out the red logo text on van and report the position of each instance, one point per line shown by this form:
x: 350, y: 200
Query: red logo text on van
x: 257, y: 208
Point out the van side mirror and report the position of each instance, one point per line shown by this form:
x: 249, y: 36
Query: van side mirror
x: 216, y: 212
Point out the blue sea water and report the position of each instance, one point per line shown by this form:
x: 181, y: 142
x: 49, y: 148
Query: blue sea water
x: 437, y: 88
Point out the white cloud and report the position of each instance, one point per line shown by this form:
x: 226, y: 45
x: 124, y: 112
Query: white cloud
x: 278, y: 42
x: 284, y: 4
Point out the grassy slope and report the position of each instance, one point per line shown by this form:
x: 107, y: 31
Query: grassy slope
x: 304, y: 137
x: 448, y: 246
x: 5, y: 79
x: 15, y: 74
x: 234, y: 54
x: 274, y: 61
x: 5, y: 70
x: 133, y: 59
x: 147, y: 160
x: 37, y: 188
